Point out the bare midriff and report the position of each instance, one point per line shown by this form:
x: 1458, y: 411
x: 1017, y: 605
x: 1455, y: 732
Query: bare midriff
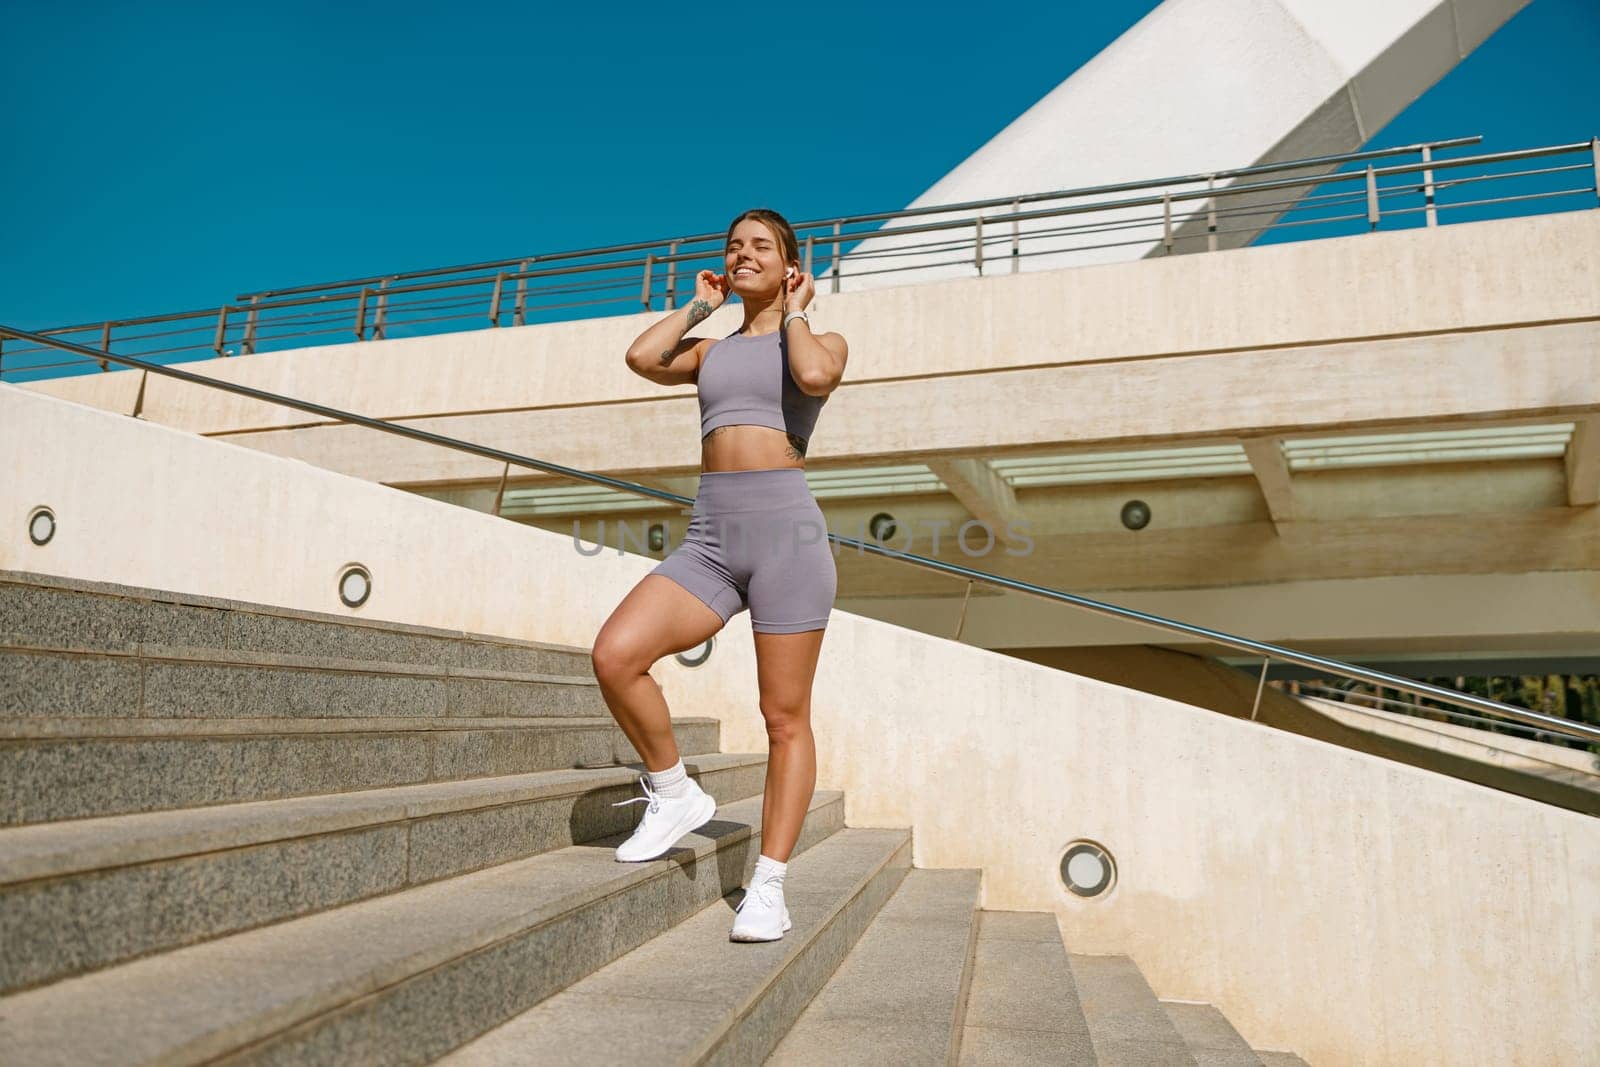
x: 750, y: 448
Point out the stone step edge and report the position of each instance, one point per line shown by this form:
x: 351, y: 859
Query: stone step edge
x: 384, y: 965
x: 164, y: 596
x: 196, y: 728
x: 79, y: 846
x: 1198, y: 1023
x: 753, y: 998
x: 493, y: 1046
x: 200, y: 655
x: 958, y: 1012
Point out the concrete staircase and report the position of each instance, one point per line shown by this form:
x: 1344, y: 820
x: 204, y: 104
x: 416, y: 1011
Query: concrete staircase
x: 232, y: 833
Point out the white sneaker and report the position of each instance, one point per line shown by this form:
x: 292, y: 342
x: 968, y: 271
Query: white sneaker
x: 666, y: 821
x: 762, y: 916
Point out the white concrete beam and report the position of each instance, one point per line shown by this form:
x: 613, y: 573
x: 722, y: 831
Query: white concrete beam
x: 983, y: 492
x: 1583, y: 462
x: 1272, y: 475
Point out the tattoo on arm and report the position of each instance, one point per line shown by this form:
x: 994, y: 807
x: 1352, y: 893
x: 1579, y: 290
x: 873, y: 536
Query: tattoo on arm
x: 698, y: 311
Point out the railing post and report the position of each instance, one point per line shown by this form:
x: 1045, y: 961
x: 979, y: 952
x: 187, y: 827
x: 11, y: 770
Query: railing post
x: 649, y: 266
x: 836, y: 244
x: 105, y: 345
x: 1016, y: 235
x: 672, y: 276
x: 1427, y: 188
x: 1594, y: 145
x: 361, y: 316
x: 1166, y: 221
x: 977, y: 243
x: 1373, y: 212
x: 1211, y: 216
x: 1259, y: 686
x: 811, y: 240
x: 519, y: 311
x: 216, y: 343
x: 382, y: 313
x: 494, y: 299
x: 962, y: 621
x: 247, y: 347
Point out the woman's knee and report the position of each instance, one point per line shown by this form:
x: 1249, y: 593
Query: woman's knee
x: 786, y: 723
x: 615, y: 658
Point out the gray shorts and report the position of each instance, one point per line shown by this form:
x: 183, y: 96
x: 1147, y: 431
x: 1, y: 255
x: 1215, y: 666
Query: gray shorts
x: 758, y: 540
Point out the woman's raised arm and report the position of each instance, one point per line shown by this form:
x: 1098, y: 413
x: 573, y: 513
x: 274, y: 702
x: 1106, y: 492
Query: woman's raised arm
x: 662, y: 353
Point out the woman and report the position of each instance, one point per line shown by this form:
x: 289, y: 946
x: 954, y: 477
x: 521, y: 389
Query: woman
x: 756, y: 540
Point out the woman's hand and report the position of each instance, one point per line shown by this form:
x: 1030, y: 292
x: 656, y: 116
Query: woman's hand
x: 798, y: 291
x: 711, y: 287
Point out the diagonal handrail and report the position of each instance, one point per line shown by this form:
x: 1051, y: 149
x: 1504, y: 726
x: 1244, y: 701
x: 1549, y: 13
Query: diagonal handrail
x: 1566, y: 727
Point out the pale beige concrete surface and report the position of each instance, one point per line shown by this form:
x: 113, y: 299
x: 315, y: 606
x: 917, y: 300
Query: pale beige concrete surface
x: 1355, y: 911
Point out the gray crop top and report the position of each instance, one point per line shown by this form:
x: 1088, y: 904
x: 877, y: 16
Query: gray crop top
x: 746, y: 381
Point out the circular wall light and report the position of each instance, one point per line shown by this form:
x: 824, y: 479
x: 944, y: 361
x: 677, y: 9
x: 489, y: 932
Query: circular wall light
x: 355, y: 585
x: 698, y: 655
x: 1136, y: 514
x: 1087, y: 869
x: 41, y: 525
x: 882, y: 526
x: 657, y: 537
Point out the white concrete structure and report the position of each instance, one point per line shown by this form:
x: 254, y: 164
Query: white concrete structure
x: 1352, y: 910
x: 1194, y: 87
x: 1487, y: 326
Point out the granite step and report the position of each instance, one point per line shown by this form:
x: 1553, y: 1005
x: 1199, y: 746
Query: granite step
x: 691, y: 996
x: 81, y: 895
x: 71, y: 614
x: 1280, y: 1059
x: 184, y: 682
x: 1212, y: 1040
x: 1023, y: 1005
x: 399, y: 979
x: 901, y: 994
x: 1126, y: 1021
x: 92, y: 768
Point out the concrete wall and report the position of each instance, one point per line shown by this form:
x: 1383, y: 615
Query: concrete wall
x: 1354, y: 911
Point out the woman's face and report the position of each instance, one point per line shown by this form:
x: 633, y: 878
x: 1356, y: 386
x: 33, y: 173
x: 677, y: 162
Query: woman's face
x: 753, y: 260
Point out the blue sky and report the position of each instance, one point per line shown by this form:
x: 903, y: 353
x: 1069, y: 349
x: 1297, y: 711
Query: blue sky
x: 164, y: 157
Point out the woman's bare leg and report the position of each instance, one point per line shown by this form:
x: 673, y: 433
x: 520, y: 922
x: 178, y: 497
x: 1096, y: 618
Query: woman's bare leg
x: 657, y: 618
x: 785, y: 667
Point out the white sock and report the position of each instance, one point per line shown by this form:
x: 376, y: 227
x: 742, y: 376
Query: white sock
x: 768, y: 868
x: 672, y: 782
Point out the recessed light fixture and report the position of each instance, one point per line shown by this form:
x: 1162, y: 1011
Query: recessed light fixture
x: 657, y: 537
x: 1087, y: 869
x: 1136, y: 514
x: 41, y: 525
x: 355, y: 585
x: 698, y: 655
x: 882, y: 526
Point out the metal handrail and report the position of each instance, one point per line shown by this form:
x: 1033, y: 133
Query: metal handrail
x: 517, y: 287
x: 1581, y: 731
